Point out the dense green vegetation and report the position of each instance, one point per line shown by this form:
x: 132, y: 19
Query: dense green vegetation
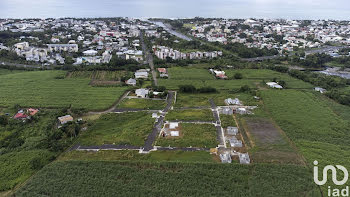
x: 52, y: 89
x: 95, y: 178
x: 227, y: 121
x: 156, y: 156
x: 142, y: 104
x: 318, y: 132
x: 26, y: 147
x: 195, y: 135
x: 127, y: 128
x: 190, y: 114
x: 17, y: 167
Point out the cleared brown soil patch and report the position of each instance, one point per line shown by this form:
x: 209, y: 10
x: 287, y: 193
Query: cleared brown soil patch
x: 271, y: 145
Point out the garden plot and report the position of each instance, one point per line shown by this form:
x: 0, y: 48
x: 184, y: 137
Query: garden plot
x: 190, y: 135
x: 269, y: 143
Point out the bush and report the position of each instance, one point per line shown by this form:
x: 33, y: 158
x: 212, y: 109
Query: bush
x: 207, y: 90
x: 244, y: 88
x: 187, y: 88
x: 238, y: 76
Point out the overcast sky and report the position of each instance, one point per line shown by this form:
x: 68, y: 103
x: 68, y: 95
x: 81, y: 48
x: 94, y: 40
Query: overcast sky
x: 294, y: 9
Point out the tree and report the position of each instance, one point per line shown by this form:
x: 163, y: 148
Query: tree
x: 238, y: 76
x: 3, y: 120
x: 282, y: 83
x: 244, y: 88
x: 187, y: 88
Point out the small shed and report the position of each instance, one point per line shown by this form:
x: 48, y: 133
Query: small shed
x: 244, y: 158
x: 235, y: 101
x: 227, y: 111
x: 65, y: 119
x: 242, y: 110
x: 234, y: 142
x: 173, y: 125
x: 232, y: 130
x: 174, y: 133
x: 131, y: 81
x: 225, y: 158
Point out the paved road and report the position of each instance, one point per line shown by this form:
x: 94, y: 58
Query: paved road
x: 159, y: 124
x: 219, y: 130
x: 149, y: 59
x: 309, y: 52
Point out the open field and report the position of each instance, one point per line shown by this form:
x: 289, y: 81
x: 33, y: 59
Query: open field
x: 51, y: 89
x: 268, y: 75
x: 157, y: 156
x: 6, y: 71
x: 100, y: 75
x: 202, y: 99
x: 142, y: 104
x: 318, y: 132
x: 127, y: 128
x: 227, y: 121
x: 251, y: 77
x: 106, y: 178
x: 190, y: 114
x: 195, y: 135
x: 270, y: 144
x: 180, y: 73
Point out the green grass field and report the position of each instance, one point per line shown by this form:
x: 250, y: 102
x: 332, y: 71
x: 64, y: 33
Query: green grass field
x: 16, y: 167
x: 157, y: 156
x: 100, y: 75
x: 180, y: 73
x: 190, y: 114
x: 142, y: 104
x: 268, y: 75
x: 195, y: 135
x: 318, y: 132
x: 202, y: 78
x: 50, y: 89
x: 127, y: 128
x: 202, y: 99
x: 106, y: 178
x: 227, y: 121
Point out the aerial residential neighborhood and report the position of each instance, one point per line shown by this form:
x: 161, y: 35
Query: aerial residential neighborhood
x: 233, y: 105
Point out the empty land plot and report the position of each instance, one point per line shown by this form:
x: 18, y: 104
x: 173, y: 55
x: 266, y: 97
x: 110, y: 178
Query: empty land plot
x: 179, y: 73
x: 270, y: 145
x: 142, y: 104
x: 184, y: 100
x: 126, y: 128
x: 156, y: 156
x: 108, y: 178
x: 100, y: 75
x: 190, y: 115
x: 51, y: 89
x: 259, y: 75
x: 195, y: 135
x: 174, y: 84
x: 227, y: 121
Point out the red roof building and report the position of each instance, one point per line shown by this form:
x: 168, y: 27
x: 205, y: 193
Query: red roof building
x: 20, y: 116
x: 162, y: 70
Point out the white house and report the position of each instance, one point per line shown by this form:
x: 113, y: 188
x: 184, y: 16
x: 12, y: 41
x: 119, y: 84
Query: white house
x: 142, y: 93
x: 274, y: 85
x: 131, y: 81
